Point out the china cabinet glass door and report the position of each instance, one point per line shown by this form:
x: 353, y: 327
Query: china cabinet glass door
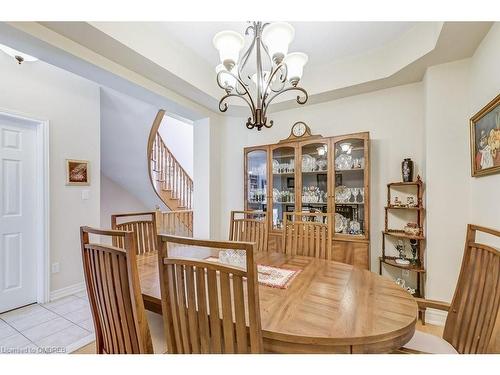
x: 350, y: 186
x: 314, y: 177
x: 283, y: 183
x: 256, y: 161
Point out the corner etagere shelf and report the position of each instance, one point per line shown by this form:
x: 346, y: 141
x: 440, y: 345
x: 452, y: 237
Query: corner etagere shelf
x: 419, y: 266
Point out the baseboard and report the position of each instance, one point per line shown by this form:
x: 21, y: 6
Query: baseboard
x: 67, y: 291
x: 436, y: 317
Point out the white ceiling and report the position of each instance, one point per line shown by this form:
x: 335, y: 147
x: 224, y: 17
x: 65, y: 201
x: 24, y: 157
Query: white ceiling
x: 324, y: 42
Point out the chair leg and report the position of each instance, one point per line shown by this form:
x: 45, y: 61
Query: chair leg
x: 422, y: 315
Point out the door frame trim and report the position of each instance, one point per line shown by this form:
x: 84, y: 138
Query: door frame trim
x: 43, y: 200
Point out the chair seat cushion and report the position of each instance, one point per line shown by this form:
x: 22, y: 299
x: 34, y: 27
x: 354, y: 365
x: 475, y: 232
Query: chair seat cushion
x: 427, y: 343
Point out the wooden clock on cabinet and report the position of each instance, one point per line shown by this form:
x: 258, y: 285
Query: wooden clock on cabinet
x: 299, y: 130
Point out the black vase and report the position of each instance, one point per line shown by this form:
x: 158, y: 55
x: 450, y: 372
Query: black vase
x: 407, y: 170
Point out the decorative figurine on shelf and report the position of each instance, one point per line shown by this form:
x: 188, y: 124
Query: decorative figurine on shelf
x: 402, y: 283
x: 414, y: 247
x: 397, y: 202
x: 407, y: 170
x: 412, y: 229
x: 401, y: 250
x: 410, y: 201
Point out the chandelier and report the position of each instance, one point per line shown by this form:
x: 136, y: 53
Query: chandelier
x: 276, y: 71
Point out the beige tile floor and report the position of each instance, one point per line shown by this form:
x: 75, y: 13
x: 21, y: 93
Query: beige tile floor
x: 61, y: 326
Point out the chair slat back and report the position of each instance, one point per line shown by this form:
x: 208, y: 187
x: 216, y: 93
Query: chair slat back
x: 209, y: 307
x: 308, y: 234
x: 475, y: 305
x: 114, y: 294
x: 249, y: 226
x: 144, y: 229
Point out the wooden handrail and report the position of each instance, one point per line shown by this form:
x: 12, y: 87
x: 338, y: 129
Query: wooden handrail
x: 171, y: 182
x: 151, y: 139
x: 170, y: 175
x: 173, y: 156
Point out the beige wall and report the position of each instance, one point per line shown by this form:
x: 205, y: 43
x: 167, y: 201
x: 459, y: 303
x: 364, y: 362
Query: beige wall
x: 71, y: 105
x: 394, y: 118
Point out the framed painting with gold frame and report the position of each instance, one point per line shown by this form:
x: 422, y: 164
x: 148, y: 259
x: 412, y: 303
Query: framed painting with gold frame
x: 77, y: 172
x: 485, y: 139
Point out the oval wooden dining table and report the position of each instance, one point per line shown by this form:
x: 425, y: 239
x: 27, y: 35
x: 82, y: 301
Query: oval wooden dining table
x: 329, y: 307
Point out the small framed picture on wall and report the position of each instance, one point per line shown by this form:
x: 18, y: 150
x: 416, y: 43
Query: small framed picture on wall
x: 485, y: 139
x: 77, y: 172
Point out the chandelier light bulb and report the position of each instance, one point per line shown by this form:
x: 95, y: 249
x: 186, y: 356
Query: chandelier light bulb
x: 277, y: 36
x: 19, y: 56
x: 229, y: 45
x: 229, y: 82
x: 295, y: 66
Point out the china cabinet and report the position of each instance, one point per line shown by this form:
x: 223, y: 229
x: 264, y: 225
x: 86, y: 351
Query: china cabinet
x: 312, y: 173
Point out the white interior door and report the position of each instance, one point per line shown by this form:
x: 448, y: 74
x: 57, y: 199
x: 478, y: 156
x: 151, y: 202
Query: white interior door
x: 18, y: 209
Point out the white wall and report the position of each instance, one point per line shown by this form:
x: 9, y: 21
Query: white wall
x: 125, y: 126
x: 447, y: 175
x: 115, y: 199
x: 202, y: 191
x: 71, y: 105
x: 178, y: 137
x: 394, y: 117
x: 484, y: 86
x: 453, y: 93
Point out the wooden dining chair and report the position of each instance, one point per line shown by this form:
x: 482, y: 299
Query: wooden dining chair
x: 249, y: 226
x: 114, y: 293
x: 143, y: 226
x: 208, y: 307
x: 308, y: 234
x: 474, y: 311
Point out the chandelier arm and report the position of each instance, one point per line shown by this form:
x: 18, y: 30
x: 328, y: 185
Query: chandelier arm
x: 246, y: 92
x: 244, y: 59
x: 271, y: 123
x: 223, y: 105
x: 251, y: 27
x: 218, y: 77
x: 299, y: 100
x: 238, y: 90
x: 273, y: 73
x: 238, y: 93
x: 281, y: 87
x: 264, y: 47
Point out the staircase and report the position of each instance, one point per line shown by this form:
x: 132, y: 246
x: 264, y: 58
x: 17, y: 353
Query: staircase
x: 170, y: 181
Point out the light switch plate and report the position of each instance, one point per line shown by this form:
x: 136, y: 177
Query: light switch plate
x: 85, y: 194
x: 55, y: 268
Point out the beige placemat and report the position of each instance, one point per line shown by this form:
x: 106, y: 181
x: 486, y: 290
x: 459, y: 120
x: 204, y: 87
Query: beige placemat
x: 272, y: 276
